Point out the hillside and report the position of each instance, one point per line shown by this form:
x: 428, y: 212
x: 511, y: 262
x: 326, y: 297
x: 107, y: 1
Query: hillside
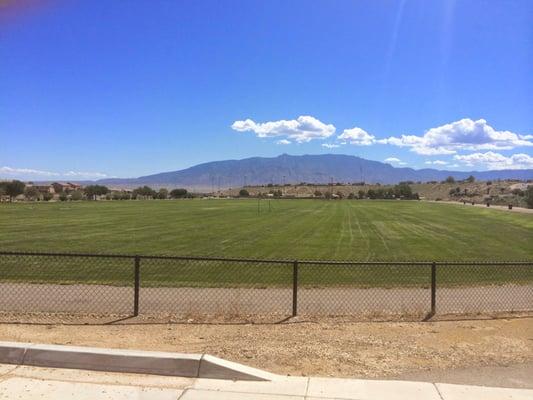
x: 495, y: 192
x: 306, y: 168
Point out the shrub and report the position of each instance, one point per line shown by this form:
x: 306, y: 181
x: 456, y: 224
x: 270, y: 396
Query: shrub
x: 178, y: 193
x: 403, y: 190
x: 244, y: 193
x: 162, y: 194
x: 76, y: 195
x: 31, y: 193
x: 529, y: 196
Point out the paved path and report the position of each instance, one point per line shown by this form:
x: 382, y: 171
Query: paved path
x: 516, y: 376
x: 25, y: 383
x: 378, y: 302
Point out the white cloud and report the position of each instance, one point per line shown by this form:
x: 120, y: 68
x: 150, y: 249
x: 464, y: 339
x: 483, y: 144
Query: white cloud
x: 330, y: 145
x: 303, y: 129
x: 394, y: 160
x: 357, y: 136
x: 27, y: 173
x: 491, y: 160
x: 283, y: 141
x: 87, y: 175
x: 465, y: 134
x: 436, y: 162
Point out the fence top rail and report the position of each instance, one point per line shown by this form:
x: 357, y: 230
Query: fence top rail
x: 416, y: 263
x: 269, y: 261
x: 145, y: 257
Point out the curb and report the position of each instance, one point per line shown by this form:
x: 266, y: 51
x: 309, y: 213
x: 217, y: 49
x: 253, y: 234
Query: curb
x: 128, y: 361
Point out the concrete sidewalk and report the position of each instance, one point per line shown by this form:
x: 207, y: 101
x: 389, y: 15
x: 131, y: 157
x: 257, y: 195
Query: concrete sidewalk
x: 27, y: 382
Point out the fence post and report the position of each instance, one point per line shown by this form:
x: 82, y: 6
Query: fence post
x: 433, y: 288
x: 295, y: 288
x: 137, y: 274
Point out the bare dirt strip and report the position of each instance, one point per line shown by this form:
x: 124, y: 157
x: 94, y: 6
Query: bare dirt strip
x: 330, y: 301
x: 492, y: 206
x: 404, y: 350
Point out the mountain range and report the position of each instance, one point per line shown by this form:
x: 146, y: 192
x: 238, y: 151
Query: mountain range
x: 323, y: 168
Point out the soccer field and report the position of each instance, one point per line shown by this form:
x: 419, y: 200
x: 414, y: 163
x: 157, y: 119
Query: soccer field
x: 280, y: 229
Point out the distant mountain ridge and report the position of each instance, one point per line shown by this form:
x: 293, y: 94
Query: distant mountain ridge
x: 285, y: 168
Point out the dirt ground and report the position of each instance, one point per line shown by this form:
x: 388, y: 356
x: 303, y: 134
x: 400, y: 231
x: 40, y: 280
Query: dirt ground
x: 319, y: 348
x: 484, y: 205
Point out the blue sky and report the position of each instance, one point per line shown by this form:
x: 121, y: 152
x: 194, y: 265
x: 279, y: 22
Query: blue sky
x: 112, y: 88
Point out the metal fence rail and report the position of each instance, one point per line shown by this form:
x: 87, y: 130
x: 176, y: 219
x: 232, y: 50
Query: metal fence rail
x: 59, y: 284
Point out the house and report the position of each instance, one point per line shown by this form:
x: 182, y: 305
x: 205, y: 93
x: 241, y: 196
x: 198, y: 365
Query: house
x: 43, y: 188
x: 65, y: 187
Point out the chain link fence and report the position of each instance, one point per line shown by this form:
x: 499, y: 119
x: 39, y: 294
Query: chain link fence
x: 63, y: 286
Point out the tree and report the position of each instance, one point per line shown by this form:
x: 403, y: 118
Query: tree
x: 361, y: 194
x: 92, y: 191
x: 31, y: 192
x: 144, y: 191
x: 351, y: 196
x: 318, y: 193
x: 48, y: 196
x: 244, y: 193
x: 162, y: 194
x: 178, y: 193
x: 58, y: 188
x: 450, y: 179
x: 529, y: 196
x: 371, y: 194
x: 14, y: 188
x: 63, y: 196
x: 471, y: 179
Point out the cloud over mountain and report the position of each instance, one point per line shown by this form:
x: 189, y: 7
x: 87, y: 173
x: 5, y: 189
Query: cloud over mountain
x: 496, y: 161
x: 465, y: 134
x: 303, y: 129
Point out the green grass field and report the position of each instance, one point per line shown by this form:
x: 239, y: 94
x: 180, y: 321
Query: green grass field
x: 283, y: 229
x: 303, y: 229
